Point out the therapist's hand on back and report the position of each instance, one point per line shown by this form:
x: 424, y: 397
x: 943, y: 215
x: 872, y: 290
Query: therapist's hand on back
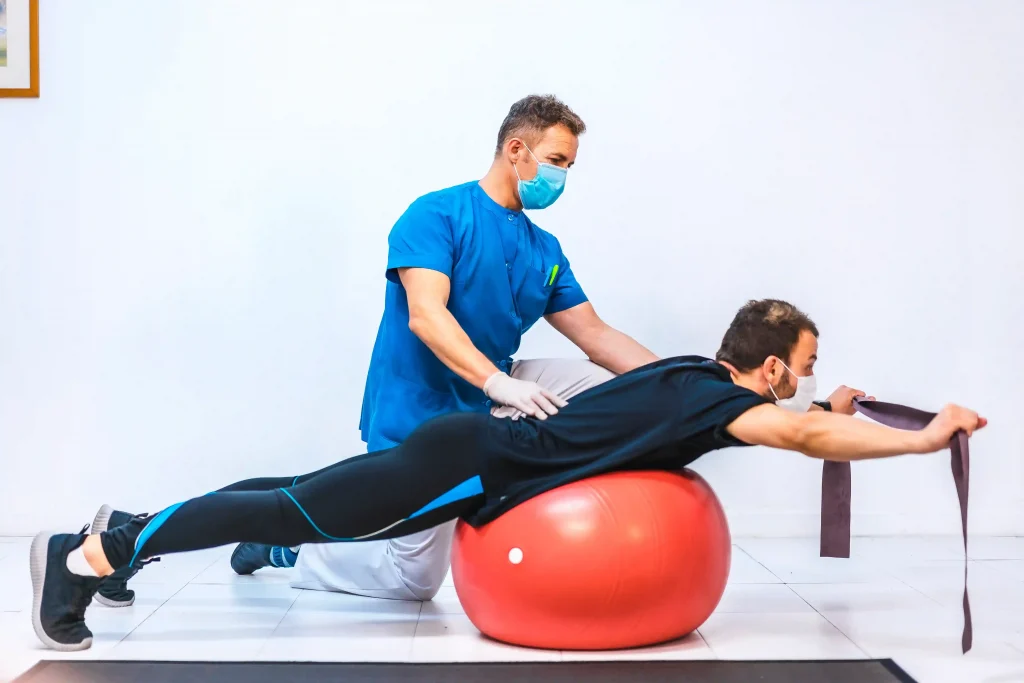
x: 529, y: 397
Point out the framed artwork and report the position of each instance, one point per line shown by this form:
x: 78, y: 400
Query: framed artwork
x: 19, y: 48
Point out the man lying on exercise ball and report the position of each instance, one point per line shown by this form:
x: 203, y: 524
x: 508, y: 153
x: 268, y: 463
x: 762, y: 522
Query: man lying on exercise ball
x: 473, y: 466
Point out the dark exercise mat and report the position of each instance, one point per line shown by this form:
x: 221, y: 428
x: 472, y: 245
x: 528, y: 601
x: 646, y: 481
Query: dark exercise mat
x: 854, y: 671
x: 836, y: 489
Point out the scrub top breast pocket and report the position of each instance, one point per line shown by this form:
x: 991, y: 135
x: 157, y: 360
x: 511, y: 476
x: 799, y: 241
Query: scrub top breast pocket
x: 534, y: 295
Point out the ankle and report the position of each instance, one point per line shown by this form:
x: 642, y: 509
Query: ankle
x: 93, y: 550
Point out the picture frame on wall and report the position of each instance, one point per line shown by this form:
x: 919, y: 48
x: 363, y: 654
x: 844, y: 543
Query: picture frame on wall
x: 19, y: 48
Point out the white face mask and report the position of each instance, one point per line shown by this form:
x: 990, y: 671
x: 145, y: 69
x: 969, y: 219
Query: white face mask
x: 806, y: 390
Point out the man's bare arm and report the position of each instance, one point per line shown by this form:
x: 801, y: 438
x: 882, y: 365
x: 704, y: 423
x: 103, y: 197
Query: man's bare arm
x: 602, y: 343
x: 430, y: 320
x: 829, y: 436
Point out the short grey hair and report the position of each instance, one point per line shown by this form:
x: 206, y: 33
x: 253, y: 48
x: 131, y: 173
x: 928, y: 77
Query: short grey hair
x: 535, y: 114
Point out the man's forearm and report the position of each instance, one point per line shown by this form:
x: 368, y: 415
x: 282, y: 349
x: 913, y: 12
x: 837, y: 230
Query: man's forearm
x: 821, y: 434
x: 616, y: 351
x: 443, y: 335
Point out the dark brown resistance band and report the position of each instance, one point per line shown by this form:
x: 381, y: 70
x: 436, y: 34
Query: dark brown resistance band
x: 835, y: 489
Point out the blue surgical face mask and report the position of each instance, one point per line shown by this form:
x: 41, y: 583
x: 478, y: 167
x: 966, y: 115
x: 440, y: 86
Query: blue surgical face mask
x: 546, y: 186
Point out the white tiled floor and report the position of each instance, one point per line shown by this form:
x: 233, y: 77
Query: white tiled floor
x: 897, y: 597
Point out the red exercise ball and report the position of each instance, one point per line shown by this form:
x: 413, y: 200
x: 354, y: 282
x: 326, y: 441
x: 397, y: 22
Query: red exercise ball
x: 620, y: 560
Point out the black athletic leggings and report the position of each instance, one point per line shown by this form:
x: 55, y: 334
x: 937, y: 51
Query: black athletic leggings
x: 435, y: 476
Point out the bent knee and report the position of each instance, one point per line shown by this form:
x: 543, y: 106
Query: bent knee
x: 425, y: 593
x: 422, y: 580
x: 425, y: 582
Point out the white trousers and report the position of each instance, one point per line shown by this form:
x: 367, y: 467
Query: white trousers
x: 413, y: 567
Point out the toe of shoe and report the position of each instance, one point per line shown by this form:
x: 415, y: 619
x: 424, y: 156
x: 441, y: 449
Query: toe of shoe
x: 246, y: 559
x: 69, y: 640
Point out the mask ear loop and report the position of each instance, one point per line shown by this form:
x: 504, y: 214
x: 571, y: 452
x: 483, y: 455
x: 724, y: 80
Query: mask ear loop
x: 771, y: 388
x: 518, y: 177
x: 516, y: 169
x: 531, y: 152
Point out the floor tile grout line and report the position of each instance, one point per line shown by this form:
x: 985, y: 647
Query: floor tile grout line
x: 284, y: 614
x: 920, y: 592
x: 1009, y: 575
x: 845, y: 635
x: 416, y: 629
x: 820, y: 614
x: 207, y: 568
x: 759, y: 563
x: 147, y: 617
x: 707, y: 644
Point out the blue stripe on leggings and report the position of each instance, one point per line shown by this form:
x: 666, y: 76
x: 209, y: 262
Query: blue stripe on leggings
x: 467, y: 489
x: 310, y: 519
x: 151, y: 528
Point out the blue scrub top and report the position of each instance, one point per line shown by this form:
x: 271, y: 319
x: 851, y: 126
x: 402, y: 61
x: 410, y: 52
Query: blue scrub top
x: 505, y: 274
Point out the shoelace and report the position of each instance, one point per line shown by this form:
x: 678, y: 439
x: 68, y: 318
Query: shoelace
x: 121, y: 580
x: 835, y: 489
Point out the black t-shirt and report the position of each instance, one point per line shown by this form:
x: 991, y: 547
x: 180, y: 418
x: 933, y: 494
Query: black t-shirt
x: 661, y: 416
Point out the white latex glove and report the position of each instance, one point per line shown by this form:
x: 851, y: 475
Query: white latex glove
x: 529, y: 397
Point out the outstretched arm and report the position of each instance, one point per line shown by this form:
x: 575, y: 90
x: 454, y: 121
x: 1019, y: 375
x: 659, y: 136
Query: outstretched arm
x: 839, y: 437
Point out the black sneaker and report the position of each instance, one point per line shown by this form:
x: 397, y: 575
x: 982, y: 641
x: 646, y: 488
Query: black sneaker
x: 60, y: 598
x: 108, y: 518
x: 248, y: 557
x: 114, y: 591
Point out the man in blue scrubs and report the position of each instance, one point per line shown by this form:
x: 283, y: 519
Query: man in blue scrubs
x: 468, y: 274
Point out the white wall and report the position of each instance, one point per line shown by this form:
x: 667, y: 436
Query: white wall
x: 193, y: 222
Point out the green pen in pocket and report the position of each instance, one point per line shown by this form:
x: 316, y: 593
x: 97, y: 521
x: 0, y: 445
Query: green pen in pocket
x: 552, y: 274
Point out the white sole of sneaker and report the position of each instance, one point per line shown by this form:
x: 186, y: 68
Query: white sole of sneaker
x: 102, y: 520
x: 37, y: 566
x: 107, y: 602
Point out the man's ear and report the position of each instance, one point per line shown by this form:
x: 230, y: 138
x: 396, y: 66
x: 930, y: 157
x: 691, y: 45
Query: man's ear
x: 515, y: 149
